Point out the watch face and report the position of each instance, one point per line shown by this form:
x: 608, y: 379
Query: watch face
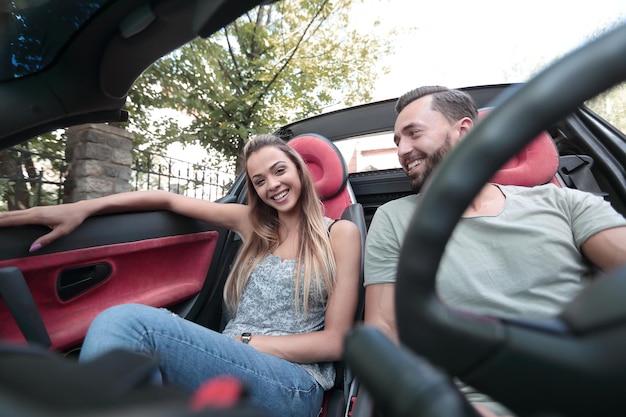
x: 245, y: 337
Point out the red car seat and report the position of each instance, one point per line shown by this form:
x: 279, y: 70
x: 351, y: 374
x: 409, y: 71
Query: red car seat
x: 329, y: 171
x: 535, y: 164
x: 330, y: 175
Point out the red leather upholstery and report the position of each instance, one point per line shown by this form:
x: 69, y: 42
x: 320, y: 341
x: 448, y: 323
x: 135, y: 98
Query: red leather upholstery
x: 137, y: 276
x: 328, y: 169
x: 536, y: 164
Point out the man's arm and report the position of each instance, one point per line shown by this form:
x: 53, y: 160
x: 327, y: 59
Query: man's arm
x: 380, y: 308
x: 382, y: 251
x: 607, y: 249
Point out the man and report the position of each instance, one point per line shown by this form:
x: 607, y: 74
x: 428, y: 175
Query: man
x: 517, y: 251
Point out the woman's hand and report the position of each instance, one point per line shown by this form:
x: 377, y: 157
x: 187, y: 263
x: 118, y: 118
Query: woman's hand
x: 62, y: 219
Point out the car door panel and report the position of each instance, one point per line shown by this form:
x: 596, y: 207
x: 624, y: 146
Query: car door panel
x: 155, y: 258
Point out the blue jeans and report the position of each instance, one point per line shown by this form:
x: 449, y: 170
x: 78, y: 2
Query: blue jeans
x: 190, y: 354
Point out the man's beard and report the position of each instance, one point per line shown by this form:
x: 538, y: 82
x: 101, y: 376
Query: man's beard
x: 430, y: 163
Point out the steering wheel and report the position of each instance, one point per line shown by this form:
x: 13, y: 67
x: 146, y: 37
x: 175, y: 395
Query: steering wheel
x: 572, y: 365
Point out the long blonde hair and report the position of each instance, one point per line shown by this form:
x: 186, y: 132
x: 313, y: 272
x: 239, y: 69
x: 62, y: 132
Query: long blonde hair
x: 315, y: 257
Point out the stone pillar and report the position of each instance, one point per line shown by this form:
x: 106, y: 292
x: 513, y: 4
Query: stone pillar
x: 99, y: 159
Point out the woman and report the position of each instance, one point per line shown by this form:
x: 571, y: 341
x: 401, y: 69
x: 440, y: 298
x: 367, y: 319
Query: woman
x: 292, y: 291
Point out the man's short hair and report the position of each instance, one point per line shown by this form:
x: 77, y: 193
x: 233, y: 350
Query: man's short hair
x: 453, y: 104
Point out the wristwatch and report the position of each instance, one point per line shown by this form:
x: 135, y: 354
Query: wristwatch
x: 245, y: 337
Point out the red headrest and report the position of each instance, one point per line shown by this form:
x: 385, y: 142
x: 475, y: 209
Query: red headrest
x: 325, y: 162
x: 536, y: 164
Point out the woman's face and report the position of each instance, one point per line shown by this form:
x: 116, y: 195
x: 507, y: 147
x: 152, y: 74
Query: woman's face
x: 275, y: 178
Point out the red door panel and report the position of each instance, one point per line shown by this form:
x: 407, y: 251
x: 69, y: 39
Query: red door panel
x: 70, y: 288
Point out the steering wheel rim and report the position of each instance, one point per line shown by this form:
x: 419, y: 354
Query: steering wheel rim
x: 459, y: 341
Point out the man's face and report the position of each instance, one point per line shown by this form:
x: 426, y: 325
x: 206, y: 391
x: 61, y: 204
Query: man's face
x: 423, y: 137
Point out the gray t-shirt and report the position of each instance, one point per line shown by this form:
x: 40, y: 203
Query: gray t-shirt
x: 524, y: 262
x: 267, y: 307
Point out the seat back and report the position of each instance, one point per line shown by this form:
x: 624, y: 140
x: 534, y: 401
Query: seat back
x: 535, y: 164
x: 329, y: 172
x: 540, y: 163
x: 330, y: 176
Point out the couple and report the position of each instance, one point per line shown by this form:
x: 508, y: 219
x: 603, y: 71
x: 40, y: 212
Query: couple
x: 293, y: 287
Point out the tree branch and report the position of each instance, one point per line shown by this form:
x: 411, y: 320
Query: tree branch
x: 232, y: 56
x: 290, y: 56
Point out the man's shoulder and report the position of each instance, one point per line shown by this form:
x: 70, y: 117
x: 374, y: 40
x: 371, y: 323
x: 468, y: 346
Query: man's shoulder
x: 393, y: 215
x: 545, y: 190
x: 408, y: 201
x: 537, y: 189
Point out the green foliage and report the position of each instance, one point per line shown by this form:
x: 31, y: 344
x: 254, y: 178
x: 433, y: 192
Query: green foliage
x: 50, y: 144
x: 276, y: 64
x: 25, y: 170
x: 6, y: 192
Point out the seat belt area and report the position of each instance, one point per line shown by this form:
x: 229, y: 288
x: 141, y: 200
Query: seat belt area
x: 575, y: 171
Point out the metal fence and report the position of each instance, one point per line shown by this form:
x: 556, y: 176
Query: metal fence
x: 153, y: 171
x: 30, y: 179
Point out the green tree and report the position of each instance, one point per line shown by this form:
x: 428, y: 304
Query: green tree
x: 276, y: 64
x: 25, y: 170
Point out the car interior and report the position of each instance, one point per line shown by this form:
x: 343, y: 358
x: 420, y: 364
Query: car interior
x: 48, y: 298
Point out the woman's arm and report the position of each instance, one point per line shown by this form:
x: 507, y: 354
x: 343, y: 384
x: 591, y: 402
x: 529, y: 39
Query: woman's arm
x: 326, y: 345
x: 64, y: 218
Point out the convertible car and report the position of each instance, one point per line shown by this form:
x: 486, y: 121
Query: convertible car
x: 66, y: 63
